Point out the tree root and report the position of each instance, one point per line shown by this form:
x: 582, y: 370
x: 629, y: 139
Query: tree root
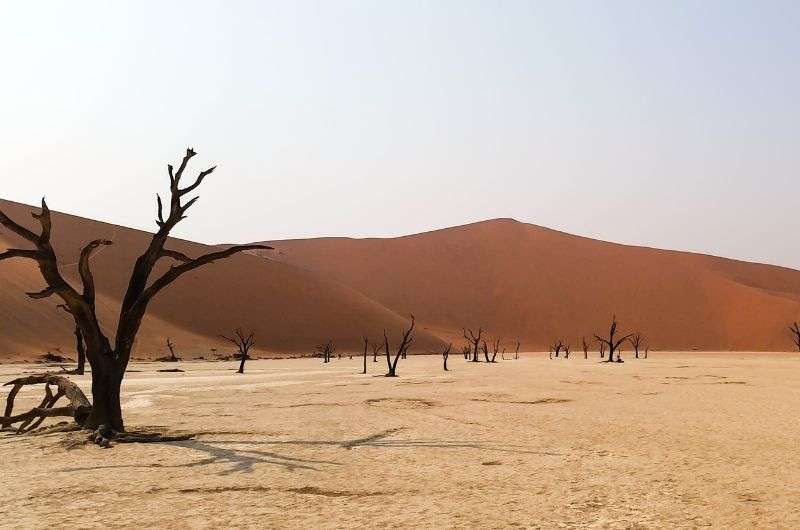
x: 79, y: 407
x: 103, y: 436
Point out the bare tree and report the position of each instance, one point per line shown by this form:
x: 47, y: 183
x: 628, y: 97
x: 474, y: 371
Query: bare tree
x: 636, y: 341
x: 243, y: 343
x: 172, y: 357
x: 612, y: 342
x: 408, y: 338
x: 110, y: 363
x: 79, y: 347
x: 516, y: 350
x: 466, y: 350
x: 377, y: 348
x: 795, y: 335
x: 475, y: 341
x: 646, y: 349
x: 566, y: 351
x: 366, y: 347
x: 495, y: 348
x: 602, y: 350
x: 327, y: 350
x: 446, y: 354
x: 555, y: 348
x: 585, y: 348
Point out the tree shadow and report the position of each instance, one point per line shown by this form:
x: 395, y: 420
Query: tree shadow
x: 240, y: 460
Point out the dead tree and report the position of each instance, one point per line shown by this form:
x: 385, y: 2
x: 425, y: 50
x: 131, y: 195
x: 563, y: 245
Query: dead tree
x: 466, y: 350
x: 555, y: 348
x: 516, y: 350
x: 602, y: 350
x: 795, y: 335
x: 377, y: 348
x: 408, y: 338
x: 566, y: 351
x: 108, y: 362
x: 585, y: 348
x: 485, y: 350
x: 636, y: 341
x: 172, y: 357
x: 366, y: 347
x: 79, y: 347
x: 446, y: 354
x: 475, y: 341
x: 327, y: 350
x: 646, y: 349
x: 495, y: 348
x: 243, y: 343
x: 612, y: 342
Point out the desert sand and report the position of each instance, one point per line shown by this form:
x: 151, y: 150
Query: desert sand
x: 679, y: 440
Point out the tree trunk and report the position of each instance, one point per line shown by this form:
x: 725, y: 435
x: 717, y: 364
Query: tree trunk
x: 106, y: 382
x: 241, y: 364
x: 81, y: 352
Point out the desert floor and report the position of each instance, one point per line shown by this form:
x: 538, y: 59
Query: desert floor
x: 679, y: 440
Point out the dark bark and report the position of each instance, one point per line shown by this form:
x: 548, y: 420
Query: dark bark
x: 366, y: 347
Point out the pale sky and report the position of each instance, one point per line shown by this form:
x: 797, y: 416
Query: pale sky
x: 672, y: 124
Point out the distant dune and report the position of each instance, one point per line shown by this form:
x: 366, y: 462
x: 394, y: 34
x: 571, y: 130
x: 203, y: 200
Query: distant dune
x: 290, y: 309
x: 518, y: 281
x: 523, y: 281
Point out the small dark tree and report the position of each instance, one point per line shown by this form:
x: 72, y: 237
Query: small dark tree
x: 585, y: 348
x: 602, y: 350
x: 79, y: 347
x: 243, y: 343
x: 171, y: 347
x: 646, y: 349
x: 466, y: 350
x: 495, y: 348
x: 108, y: 362
x: 475, y: 341
x: 795, y: 335
x: 377, y: 348
x: 636, y: 341
x: 566, y: 351
x: 366, y: 347
x: 446, y: 354
x: 327, y: 350
x: 408, y: 338
x: 516, y: 350
x: 612, y: 342
x: 555, y: 349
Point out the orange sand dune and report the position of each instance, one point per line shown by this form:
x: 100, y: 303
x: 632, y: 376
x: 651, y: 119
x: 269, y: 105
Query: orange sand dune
x: 290, y: 309
x: 523, y: 281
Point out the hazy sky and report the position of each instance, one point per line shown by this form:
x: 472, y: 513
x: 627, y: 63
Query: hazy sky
x: 664, y: 123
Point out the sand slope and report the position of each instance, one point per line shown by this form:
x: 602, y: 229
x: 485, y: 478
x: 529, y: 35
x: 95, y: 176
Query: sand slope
x: 521, y: 280
x: 291, y: 310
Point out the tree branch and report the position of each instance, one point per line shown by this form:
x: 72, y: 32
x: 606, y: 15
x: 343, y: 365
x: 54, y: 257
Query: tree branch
x: 86, y: 272
x: 176, y: 272
x: 20, y: 253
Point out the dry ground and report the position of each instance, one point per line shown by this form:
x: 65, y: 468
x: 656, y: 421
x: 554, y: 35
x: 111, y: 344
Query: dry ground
x: 679, y: 440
